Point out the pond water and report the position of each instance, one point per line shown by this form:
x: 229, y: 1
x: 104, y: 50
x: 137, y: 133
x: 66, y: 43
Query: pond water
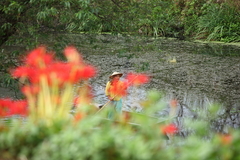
x: 197, y: 74
x: 203, y: 74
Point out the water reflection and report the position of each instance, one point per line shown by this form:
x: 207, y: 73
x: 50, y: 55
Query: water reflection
x: 218, y: 50
x: 132, y: 102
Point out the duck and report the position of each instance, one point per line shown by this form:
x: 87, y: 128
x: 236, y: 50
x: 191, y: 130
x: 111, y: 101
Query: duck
x: 173, y: 60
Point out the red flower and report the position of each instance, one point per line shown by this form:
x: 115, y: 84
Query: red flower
x: 76, y: 74
x: 58, y: 73
x: 88, y: 72
x: 37, y: 61
x: 169, y: 129
x: 4, y: 107
x: 19, y: 108
x: 38, y: 57
x: 33, y: 90
x: 40, y: 64
x: 9, y: 107
x: 22, y: 71
x: 72, y: 55
x: 137, y: 79
x: 32, y: 74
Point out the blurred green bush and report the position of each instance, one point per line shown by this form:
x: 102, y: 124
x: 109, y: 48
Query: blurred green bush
x: 96, y: 138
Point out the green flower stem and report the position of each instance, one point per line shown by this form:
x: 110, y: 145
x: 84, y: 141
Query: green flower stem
x: 67, y: 95
x: 47, y: 107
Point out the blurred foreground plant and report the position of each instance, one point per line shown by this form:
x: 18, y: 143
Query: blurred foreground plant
x: 49, y: 85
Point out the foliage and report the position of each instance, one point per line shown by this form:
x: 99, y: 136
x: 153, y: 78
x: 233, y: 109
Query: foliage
x: 220, y: 22
x: 106, y: 142
x: 96, y: 138
x: 179, y: 18
x: 21, y: 139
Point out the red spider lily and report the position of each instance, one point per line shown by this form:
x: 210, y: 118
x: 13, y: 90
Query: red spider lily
x: 4, y: 107
x: 88, y: 72
x: 18, y: 108
x: 72, y: 55
x: 119, y: 88
x: 47, y: 77
x: 57, y: 73
x: 38, y: 57
x: 9, y: 107
x: 36, y: 61
x: 60, y: 73
x: 39, y: 64
x: 32, y: 74
x: 137, y: 79
x: 23, y: 71
x: 169, y: 129
x: 33, y: 90
x: 83, y: 73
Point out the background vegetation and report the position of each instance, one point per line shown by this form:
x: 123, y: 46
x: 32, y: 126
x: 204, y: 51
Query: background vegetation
x: 184, y: 19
